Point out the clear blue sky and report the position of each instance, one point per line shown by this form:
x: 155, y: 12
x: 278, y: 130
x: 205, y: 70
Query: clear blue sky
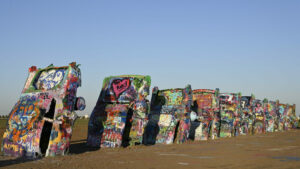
x: 239, y: 46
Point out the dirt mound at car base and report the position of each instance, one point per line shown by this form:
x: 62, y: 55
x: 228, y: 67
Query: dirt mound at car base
x: 271, y: 150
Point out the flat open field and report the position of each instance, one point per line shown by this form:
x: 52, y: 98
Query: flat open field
x: 271, y: 150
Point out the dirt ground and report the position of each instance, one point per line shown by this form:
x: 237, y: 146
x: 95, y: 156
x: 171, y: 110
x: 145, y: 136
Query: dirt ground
x: 271, y: 150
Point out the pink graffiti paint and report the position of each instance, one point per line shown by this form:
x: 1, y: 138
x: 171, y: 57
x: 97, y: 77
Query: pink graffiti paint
x: 119, y: 86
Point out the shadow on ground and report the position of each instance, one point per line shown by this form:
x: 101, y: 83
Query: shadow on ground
x: 8, y: 162
x: 76, y: 147
x: 79, y: 147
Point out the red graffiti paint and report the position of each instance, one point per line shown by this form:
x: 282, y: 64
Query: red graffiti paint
x: 120, y: 85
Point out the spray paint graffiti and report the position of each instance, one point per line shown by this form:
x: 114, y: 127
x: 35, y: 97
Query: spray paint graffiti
x: 247, y: 118
x: 282, y: 115
x: 206, y: 106
x: 114, y: 125
x: 259, y: 122
x: 230, y: 114
x: 40, y: 124
x: 271, y: 115
x: 120, y: 115
x: 292, y: 116
x: 139, y: 122
x: 49, y: 79
x: 169, y: 118
x: 291, y: 119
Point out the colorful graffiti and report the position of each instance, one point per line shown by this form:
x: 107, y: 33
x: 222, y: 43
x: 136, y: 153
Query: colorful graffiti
x: 40, y: 124
x: 125, y: 89
x: 230, y: 114
x: 290, y: 118
x: 49, y: 79
x: 282, y: 115
x: 114, y: 125
x: 139, y: 122
x: 259, y: 120
x: 293, y: 117
x: 271, y: 115
x: 120, y: 115
x: 247, y: 118
x: 207, y: 123
x: 170, y: 115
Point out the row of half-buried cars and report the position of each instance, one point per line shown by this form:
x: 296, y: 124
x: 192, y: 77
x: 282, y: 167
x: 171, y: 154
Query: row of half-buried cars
x: 41, y: 122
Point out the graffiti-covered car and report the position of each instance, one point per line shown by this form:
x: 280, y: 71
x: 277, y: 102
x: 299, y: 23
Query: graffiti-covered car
x: 170, y: 112
x: 246, y: 115
x: 230, y: 114
x: 120, y: 114
x: 259, y: 114
x: 207, y: 122
x: 282, y: 116
x: 291, y: 117
x: 295, y: 118
x: 271, y: 115
x: 40, y: 123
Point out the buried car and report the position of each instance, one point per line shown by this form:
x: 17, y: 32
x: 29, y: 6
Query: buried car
x: 291, y: 121
x: 230, y: 114
x: 246, y: 115
x: 169, y: 116
x: 282, y: 116
x: 271, y: 115
x: 259, y: 117
x: 207, y: 121
x: 40, y: 123
x: 120, y: 114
